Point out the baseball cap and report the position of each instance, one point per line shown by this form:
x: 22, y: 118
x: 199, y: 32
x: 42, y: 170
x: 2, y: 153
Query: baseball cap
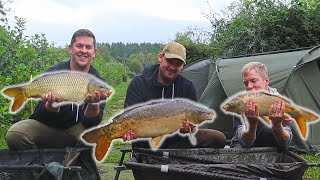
x: 175, y: 50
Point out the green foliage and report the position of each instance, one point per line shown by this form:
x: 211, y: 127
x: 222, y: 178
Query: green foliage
x: 3, y: 129
x: 3, y: 8
x: 121, y: 51
x: 197, y: 44
x: 22, y: 58
x: 103, y: 51
x: 254, y: 26
x: 135, y: 63
x: 112, y: 72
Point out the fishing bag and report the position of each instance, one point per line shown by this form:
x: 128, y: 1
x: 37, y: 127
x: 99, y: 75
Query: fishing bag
x: 207, y: 164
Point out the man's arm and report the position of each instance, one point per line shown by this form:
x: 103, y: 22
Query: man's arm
x: 276, y: 115
x: 252, y: 113
x: 237, y: 140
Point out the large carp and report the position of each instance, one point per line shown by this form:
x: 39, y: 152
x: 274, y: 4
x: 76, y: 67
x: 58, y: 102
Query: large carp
x: 236, y: 104
x: 149, y: 120
x: 70, y: 86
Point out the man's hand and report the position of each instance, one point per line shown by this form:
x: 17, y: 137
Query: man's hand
x: 276, y: 113
x: 128, y: 136
x: 252, y: 113
x: 96, y: 98
x: 50, y: 98
x: 93, y: 107
x: 187, y: 127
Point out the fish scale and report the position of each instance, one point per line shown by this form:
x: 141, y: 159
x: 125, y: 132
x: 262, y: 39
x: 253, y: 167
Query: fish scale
x: 64, y: 86
x: 148, y: 120
x: 70, y: 87
x: 236, y: 103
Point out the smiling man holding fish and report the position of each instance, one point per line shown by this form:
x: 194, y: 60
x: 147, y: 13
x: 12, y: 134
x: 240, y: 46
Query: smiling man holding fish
x: 59, y: 126
x: 257, y: 134
x: 164, y: 81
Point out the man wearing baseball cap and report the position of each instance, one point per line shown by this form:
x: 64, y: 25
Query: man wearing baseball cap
x: 164, y: 81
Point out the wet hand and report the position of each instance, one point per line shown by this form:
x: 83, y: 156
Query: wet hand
x: 187, y: 127
x: 50, y: 99
x: 276, y: 113
x: 128, y: 136
x: 252, y: 112
x: 96, y: 98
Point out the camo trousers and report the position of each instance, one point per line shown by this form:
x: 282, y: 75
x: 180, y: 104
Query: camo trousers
x: 31, y: 134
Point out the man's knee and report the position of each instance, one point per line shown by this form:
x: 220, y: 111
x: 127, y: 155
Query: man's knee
x: 208, y: 138
x: 18, y: 140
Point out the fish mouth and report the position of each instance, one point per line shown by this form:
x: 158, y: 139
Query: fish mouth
x: 226, y: 107
x: 210, y: 116
x: 109, y: 92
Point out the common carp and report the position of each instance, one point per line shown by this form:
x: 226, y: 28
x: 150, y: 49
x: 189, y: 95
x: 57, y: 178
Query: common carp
x: 236, y: 104
x: 68, y: 85
x: 148, y: 120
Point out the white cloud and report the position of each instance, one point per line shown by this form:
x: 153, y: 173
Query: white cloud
x: 85, y: 11
x: 115, y: 20
x: 53, y: 12
x: 167, y: 9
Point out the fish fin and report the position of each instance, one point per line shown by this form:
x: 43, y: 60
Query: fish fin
x: 276, y: 95
x: 102, y: 147
x: 302, y: 116
x: 302, y: 127
x: 17, y: 94
x: 103, y: 143
x: 155, y: 142
x: 266, y: 119
x: 307, y: 115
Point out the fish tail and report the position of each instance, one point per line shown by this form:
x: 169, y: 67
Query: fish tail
x: 18, y: 95
x: 302, y: 116
x: 103, y: 143
x: 93, y: 136
x: 102, y: 147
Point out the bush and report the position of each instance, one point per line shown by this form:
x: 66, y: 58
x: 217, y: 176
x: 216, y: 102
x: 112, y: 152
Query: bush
x: 112, y: 72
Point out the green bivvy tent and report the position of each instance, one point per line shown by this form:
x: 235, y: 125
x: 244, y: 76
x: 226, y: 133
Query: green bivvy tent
x: 295, y: 74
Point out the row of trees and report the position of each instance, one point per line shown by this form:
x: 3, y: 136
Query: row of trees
x: 245, y: 27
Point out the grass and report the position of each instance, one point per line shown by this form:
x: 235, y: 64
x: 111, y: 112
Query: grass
x: 113, y: 107
x: 106, y: 168
x: 115, y: 104
x: 311, y: 172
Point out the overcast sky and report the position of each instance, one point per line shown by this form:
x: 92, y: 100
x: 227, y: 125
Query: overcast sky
x: 115, y: 20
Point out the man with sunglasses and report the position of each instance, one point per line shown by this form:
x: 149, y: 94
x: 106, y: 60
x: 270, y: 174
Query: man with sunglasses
x: 164, y: 81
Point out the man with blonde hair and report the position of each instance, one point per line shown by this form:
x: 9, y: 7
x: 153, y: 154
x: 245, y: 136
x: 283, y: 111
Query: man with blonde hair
x: 256, y: 134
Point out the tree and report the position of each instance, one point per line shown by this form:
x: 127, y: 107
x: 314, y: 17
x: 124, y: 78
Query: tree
x: 22, y: 58
x: 3, y: 10
x: 135, y: 63
x: 197, y: 44
x: 103, y: 51
x: 255, y: 26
